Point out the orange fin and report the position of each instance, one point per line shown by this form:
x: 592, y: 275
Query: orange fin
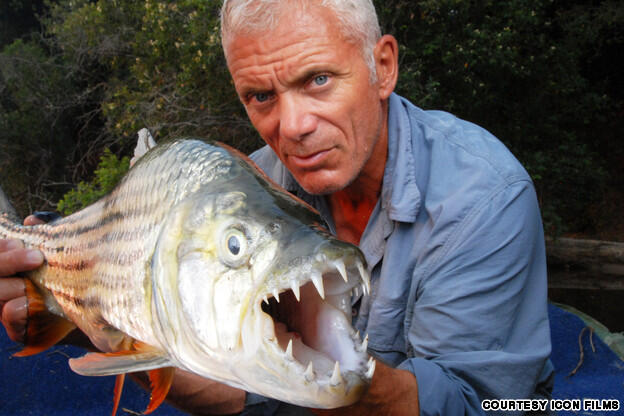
x: 161, y: 380
x: 44, y: 329
x: 119, y: 382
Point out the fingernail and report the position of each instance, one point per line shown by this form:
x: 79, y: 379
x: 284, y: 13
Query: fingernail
x: 34, y: 257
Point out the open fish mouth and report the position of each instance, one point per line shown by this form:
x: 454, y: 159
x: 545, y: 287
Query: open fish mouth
x: 307, y: 324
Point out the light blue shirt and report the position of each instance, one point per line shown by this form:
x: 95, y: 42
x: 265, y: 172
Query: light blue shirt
x: 456, y: 252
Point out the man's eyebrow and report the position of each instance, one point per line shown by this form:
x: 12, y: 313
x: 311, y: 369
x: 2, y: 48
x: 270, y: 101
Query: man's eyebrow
x: 308, y: 74
x: 249, y: 91
x: 297, y: 79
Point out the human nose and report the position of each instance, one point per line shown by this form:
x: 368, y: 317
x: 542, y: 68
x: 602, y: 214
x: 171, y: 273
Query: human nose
x: 296, y: 121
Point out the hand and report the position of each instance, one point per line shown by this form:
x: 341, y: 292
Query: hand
x: 392, y: 392
x: 198, y: 395
x: 15, y: 258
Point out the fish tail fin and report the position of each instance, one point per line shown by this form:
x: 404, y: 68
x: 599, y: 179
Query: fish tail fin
x: 43, y: 328
x: 160, y: 380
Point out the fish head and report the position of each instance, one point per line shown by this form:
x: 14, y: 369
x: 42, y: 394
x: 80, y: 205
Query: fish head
x: 249, y: 289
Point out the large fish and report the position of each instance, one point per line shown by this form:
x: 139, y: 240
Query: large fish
x: 196, y: 261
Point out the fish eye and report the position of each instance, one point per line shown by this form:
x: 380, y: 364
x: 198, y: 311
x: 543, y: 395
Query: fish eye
x: 234, y: 245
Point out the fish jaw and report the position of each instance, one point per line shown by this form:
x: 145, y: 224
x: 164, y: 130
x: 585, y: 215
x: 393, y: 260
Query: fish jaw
x: 304, y: 343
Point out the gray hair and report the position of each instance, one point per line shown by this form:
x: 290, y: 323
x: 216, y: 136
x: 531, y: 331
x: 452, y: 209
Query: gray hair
x: 358, y: 21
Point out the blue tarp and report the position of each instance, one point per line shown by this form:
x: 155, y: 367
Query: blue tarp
x: 601, y: 374
x: 44, y: 384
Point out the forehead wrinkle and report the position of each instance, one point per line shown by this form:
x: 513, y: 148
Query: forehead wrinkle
x: 281, y: 52
x: 282, y: 65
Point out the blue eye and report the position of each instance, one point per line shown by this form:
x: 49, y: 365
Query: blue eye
x: 234, y: 245
x: 261, y: 97
x: 321, y: 79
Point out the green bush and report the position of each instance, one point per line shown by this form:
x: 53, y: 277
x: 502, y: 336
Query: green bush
x: 107, y: 174
x: 517, y: 69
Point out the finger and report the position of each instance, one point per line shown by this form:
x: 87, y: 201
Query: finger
x: 33, y: 220
x: 13, y: 307
x: 19, y: 260
x: 46, y: 216
x: 11, y: 288
x: 11, y: 244
x: 14, y: 318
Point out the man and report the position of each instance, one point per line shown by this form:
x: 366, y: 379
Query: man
x: 446, y: 217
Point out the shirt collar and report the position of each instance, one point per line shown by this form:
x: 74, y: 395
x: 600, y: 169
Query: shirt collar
x: 400, y: 195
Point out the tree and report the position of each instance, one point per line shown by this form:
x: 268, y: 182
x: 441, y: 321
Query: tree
x: 98, y: 73
x: 516, y: 68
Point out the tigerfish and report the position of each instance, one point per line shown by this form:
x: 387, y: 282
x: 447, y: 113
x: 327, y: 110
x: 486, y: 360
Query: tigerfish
x: 197, y: 261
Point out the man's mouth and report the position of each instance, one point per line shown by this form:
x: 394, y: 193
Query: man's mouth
x: 308, y: 160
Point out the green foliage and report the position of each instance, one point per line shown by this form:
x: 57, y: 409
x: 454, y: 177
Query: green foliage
x: 163, y: 64
x: 516, y: 68
x: 540, y: 74
x: 36, y: 121
x: 18, y: 18
x: 108, y: 173
x: 99, y: 72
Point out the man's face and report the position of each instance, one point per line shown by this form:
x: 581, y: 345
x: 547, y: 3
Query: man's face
x: 308, y: 93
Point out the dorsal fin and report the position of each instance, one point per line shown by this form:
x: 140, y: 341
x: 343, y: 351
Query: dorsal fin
x: 6, y: 207
x: 43, y: 328
x: 144, y: 143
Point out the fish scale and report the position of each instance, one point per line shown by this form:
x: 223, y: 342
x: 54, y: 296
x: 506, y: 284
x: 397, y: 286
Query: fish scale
x: 95, y: 274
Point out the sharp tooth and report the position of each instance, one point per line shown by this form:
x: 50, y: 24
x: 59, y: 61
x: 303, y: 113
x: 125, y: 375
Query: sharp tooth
x: 317, y: 279
x: 365, y: 276
x: 276, y: 295
x: 295, y: 288
x: 355, y: 292
x: 371, y: 368
x: 364, y: 291
x: 265, y: 299
x: 309, y: 373
x: 357, y: 335
x: 336, y: 378
x: 364, y: 345
x: 289, y: 353
x: 342, y: 270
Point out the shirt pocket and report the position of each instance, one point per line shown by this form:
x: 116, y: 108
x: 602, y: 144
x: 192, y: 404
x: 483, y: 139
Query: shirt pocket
x: 385, y: 326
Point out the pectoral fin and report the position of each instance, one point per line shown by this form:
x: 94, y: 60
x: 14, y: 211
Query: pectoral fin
x: 120, y: 362
x: 43, y: 328
x: 144, y: 358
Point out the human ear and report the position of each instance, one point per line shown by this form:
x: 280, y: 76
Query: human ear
x: 386, y: 54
